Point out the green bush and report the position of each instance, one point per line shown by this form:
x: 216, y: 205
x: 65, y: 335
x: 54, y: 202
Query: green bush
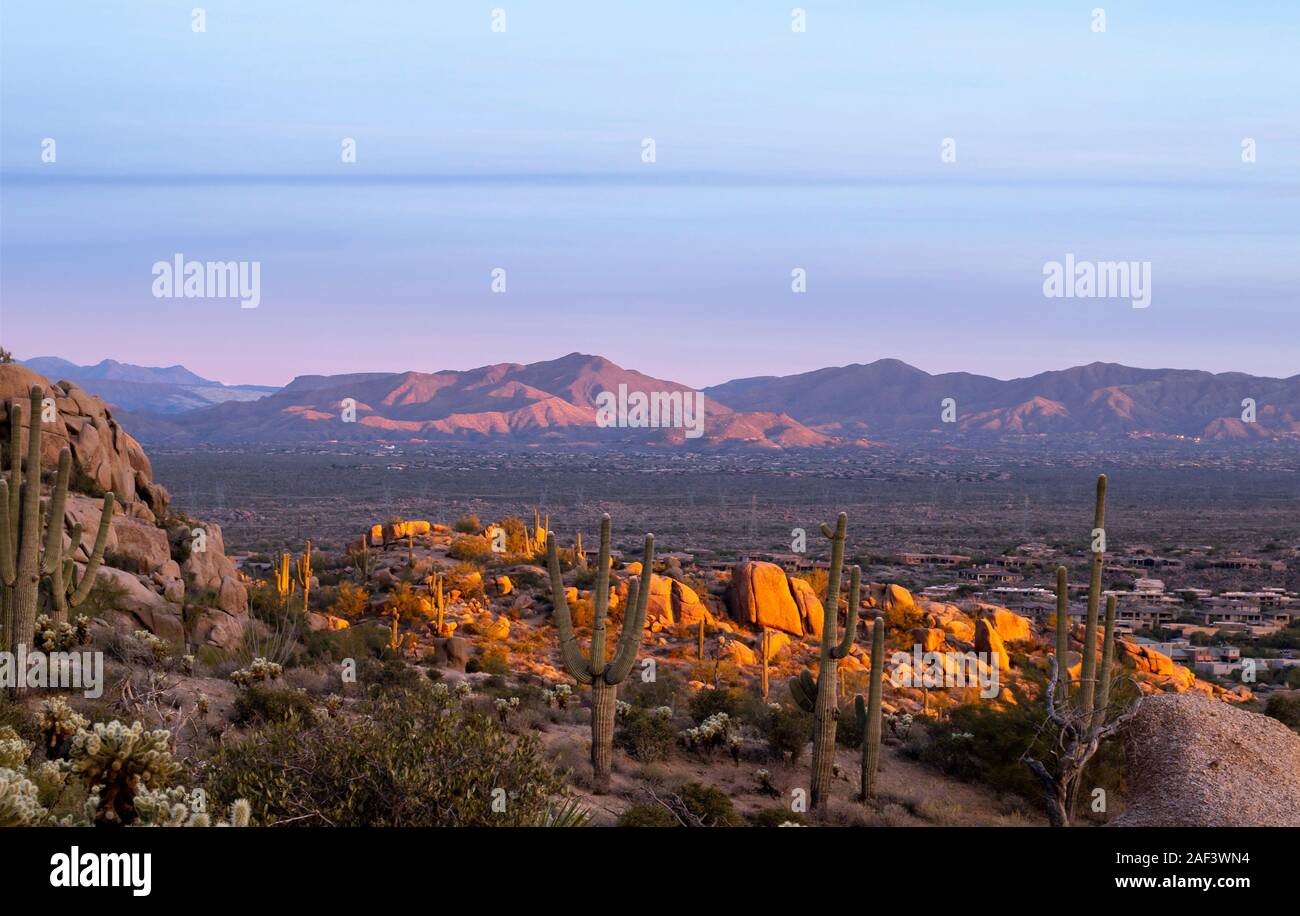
x: 647, y: 815
x: 408, y: 759
x: 706, y: 703
x: 261, y: 705
x: 788, y: 731
x: 468, y: 524
x: 710, y: 804
x: 774, y: 817
x: 645, y: 735
x: 1285, y: 708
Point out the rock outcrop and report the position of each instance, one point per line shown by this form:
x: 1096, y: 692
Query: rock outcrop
x: 763, y: 595
x: 157, y: 570
x: 1197, y: 762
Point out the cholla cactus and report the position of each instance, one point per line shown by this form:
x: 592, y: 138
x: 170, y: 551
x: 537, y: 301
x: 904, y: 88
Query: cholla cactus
x: 718, y: 730
x: 559, y: 696
x: 901, y: 726
x: 61, y: 636
x: 117, y: 762
x: 14, y: 751
x: 172, y: 808
x: 622, y: 710
x: 158, y: 647
x: 19, y: 800
x: 59, y: 724
x: 505, y: 707
x: 765, y: 784
x: 462, y: 691
x: 257, y: 672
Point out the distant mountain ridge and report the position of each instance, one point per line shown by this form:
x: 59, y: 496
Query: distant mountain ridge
x: 169, y: 390
x: 556, y: 401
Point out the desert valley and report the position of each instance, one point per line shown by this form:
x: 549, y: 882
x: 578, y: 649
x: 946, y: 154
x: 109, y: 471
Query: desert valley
x: 990, y: 634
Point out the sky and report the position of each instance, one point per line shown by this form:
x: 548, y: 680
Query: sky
x: 775, y: 150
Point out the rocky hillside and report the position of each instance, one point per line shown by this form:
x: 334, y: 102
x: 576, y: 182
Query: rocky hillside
x: 171, y: 571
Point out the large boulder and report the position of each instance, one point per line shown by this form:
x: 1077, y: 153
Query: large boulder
x: 1197, y: 762
x: 762, y: 595
x: 1010, y: 626
x: 990, y: 643
x: 133, y: 544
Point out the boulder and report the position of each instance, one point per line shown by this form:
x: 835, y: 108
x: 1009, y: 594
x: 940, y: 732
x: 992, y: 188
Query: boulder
x: 1011, y: 627
x: 988, y: 641
x: 930, y: 639
x: 1197, y: 762
x: 762, y: 595
x: 451, y: 652
x: 739, y: 653
x: 325, y: 622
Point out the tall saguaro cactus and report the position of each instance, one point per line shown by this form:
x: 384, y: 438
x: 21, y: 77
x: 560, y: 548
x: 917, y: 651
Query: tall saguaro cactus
x: 282, y: 579
x: 825, y: 706
x: 302, y: 575
x: 604, y: 677
x: 1063, y: 628
x: 23, y: 564
x: 1088, y: 678
x: 1082, y: 724
x: 869, y: 713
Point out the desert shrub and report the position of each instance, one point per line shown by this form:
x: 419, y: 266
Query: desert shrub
x: 646, y: 734
x: 788, y: 731
x: 406, y: 603
x: 710, y: 804
x: 412, y: 758
x: 1285, y: 708
x: 774, y: 817
x: 662, y: 691
x: 388, y: 674
x: 647, y: 814
x: 983, y: 743
x: 260, y: 705
x: 493, y: 660
x: 469, y: 549
x: 357, y: 642
x: 848, y: 733
x: 350, y: 602
x: 468, y: 524
x: 706, y: 703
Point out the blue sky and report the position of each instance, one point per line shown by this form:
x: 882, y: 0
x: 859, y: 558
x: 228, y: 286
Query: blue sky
x: 775, y: 149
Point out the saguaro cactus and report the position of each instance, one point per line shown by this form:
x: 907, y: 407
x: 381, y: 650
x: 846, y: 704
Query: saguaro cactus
x: 1088, y: 678
x: 764, y: 650
x: 825, y: 707
x: 869, y: 712
x: 282, y: 580
x: 1082, y: 724
x: 1063, y: 629
x: 23, y: 564
x: 302, y: 575
x: 592, y: 669
x: 438, y: 600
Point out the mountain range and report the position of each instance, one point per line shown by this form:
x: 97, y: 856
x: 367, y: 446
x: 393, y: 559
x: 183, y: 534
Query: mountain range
x: 169, y: 390
x: 558, y: 401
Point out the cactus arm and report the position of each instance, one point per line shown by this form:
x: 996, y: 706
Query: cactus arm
x: 1107, y: 654
x: 629, y: 641
x: 28, y: 571
x: 16, y: 472
x: 1089, y: 676
x: 804, y: 690
x: 96, y: 558
x: 1063, y: 628
x: 851, y: 625
x: 600, y: 600
x: 831, y: 613
x: 7, y: 570
x: 53, y: 557
x: 870, y: 717
x: 573, y: 660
